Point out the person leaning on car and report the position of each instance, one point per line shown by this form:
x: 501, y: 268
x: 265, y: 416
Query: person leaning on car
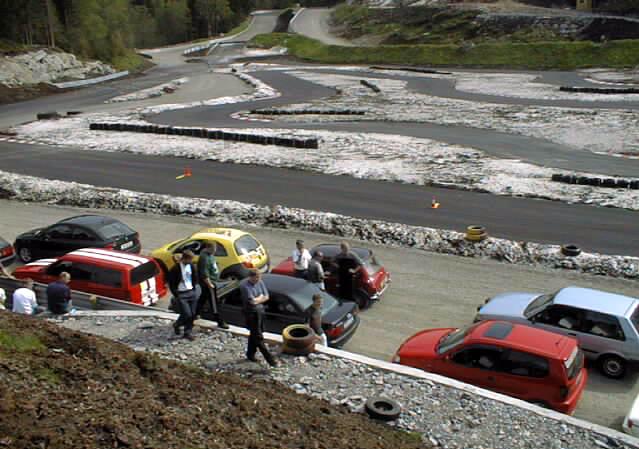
x: 184, y: 285
x: 301, y: 258
x: 254, y: 295
x: 209, y: 274
x: 59, y: 295
x: 316, y: 273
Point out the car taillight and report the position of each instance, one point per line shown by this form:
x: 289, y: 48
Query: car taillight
x: 7, y: 251
x: 563, y: 392
x: 248, y: 264
x: 335, y: 331
x: 109, y: 245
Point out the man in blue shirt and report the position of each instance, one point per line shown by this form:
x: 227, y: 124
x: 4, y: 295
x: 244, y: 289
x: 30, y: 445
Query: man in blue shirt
x: 59, y: 295
x: 254, y: 295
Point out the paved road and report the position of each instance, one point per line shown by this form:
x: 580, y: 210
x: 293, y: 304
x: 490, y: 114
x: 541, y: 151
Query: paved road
x: 502, y: 145
x: 611, y: 231
x: 313, y: 23
x: 428, y: 290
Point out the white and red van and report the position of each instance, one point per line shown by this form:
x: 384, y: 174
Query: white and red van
x: 114, y: 274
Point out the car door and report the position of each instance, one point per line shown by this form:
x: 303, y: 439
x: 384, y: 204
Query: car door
x: 82, y: 238
x: 475, y: 364
x: 601, y: 333
x: 522, y: 374
x: 280, y: 313
x: 107, y: 282
x: 560, y: 319
x: 81, y: 274
x: 54, y: 241
x: 330, y: 270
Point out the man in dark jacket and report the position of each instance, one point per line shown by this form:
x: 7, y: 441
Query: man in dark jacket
x: 184, y: 285
x: 59, y: 295
x: 254, y: 295
x: 209, y: 274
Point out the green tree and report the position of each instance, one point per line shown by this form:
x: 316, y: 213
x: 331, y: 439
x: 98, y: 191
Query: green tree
x: 213, y: 12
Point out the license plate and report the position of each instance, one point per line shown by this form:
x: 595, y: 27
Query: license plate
x: 126, y: 245
x: 348, y: 322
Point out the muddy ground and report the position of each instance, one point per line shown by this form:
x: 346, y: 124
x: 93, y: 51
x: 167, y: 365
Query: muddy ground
x: 64, y: 389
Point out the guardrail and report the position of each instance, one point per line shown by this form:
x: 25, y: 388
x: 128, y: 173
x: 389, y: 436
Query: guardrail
x: 80, y: 300
x: 88, y: 82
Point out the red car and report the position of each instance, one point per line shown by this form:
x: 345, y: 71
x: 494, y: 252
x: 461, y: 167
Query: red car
x: 521, y: 361
x: 103, y: 272
x: 370, y: 282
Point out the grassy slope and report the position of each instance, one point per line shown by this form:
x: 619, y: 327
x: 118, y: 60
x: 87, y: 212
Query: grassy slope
x: 537, y: 55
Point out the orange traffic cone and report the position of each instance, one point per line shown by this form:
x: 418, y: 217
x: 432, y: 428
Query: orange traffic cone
x: 434, y: 204
x: 187, y: 173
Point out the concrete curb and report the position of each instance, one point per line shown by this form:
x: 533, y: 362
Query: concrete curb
x: 395, y: 368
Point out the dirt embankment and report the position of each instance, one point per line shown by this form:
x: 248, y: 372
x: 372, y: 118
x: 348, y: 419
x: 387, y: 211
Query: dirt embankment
x: 63, y: 389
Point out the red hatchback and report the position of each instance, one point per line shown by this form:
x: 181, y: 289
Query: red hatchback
x: 102, y: 272
x: 521, y: 361
x: 370, y: 282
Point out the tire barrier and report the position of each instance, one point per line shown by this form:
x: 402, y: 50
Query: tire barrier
x: 611, y: 183
x: 570, y: 250
x: 71, y: 113
x: 383, y: 409
x: 600, y: 90
x: 307, y: 112
x: 298, y: 339
x: 476, y: 233
x: 48, y: 115
x: 203, y: 133
x: 370, y: 85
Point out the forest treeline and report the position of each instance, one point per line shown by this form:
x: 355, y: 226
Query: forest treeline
x: 107, y: 29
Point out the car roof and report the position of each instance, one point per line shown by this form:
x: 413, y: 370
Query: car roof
x: 518, y: 336
x: 595, y: 300
x: 229, y: 234
x: 331, y: 250
x: 282, y: 283
x: 90, y: 221
x: 107, y: 258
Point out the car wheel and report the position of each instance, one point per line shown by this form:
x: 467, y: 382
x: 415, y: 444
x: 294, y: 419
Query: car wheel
x: 382, y: 408
x: 25, y: 254
x: 613, y: 366
x: 232, y: 277
x: 362, y: 300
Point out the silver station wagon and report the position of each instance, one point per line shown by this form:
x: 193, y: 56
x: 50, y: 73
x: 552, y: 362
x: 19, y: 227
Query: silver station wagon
x: 604, y: 323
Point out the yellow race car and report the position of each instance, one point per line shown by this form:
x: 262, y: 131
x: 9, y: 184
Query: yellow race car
x: 237, y: 251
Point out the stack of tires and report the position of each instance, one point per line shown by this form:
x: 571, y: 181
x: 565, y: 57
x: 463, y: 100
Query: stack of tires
x: 476, y: 233
x: 299, y: 339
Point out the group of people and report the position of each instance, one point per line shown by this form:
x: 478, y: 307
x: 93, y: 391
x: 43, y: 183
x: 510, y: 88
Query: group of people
x: 25, y: 302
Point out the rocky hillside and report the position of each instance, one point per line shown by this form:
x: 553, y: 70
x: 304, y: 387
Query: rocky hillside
x: 63, y: 389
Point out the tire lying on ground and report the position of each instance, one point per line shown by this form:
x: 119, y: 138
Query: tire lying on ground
x: 570, y: 250
x: 298, y: 336
x: 383, y: 409
x: 476, y: 233
x: 287, y: 349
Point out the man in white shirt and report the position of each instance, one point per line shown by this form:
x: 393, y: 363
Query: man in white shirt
x: 301, y: 258
x: 24, y: 299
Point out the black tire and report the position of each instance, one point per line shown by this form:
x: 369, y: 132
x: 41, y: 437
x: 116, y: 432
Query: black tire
x: 24, y: 254
x: 570, y: 250
x: 612, y: 366
x: 382, y: 408
x: 556, y: 177
x: 362, y: 300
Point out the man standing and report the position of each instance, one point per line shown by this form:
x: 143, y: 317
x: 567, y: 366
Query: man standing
x: 347, y: 266
x: 316, y: 273
x: 314, y: 319
x: 183, y: 282
x: 301, y: 258
x: 24, y: 299
x: 210, y: 274
x: 254, y: 295
x: 59, y: 295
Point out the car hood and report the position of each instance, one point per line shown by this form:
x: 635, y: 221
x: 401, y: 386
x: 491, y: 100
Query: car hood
x: 34, y: 267
x: 423, y: 344
x: 29, y: 234
x: 511, y: 305
x: 285, y: 267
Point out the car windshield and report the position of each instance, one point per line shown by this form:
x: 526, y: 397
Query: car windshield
x: 371, y: 264
x: 143, y: 272
x: 539, y: 304
x: 453, y: 339
x: 246, y: 244
x: 304, y: 297
x: 114, y: 229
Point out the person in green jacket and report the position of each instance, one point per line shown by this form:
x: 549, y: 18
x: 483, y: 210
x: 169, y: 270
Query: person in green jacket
x: 209, y: 274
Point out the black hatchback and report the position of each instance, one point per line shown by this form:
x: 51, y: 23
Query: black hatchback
x: 82, y: 231
x: 290, y: 301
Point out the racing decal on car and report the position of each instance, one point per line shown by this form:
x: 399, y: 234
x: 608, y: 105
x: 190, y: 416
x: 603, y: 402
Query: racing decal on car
x: 109, y: 258
x: 149, y: 292
x: 105, y: 252
x: 41, y: 263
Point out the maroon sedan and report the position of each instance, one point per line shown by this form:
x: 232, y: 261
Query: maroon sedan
x: 370, y: 281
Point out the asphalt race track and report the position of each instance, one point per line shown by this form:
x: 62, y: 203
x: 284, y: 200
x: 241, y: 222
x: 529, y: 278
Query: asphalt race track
x: 593, y: 228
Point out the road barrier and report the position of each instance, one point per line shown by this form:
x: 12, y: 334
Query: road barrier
x: 205, y: 133
x: 307, y: 112
x: 87, y: 82
x: 371, y: 86
x: 600, y: 90
x: 612, y: 183
x: 411, y: 69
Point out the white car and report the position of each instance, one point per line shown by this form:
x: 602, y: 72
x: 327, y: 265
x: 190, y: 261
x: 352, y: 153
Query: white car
x: 630, y: 423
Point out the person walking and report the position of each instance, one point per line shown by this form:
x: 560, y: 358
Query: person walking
x: 314, y: 319
x: 24, y: 299
x: 301, y: 258
x: 184, y: 285
x: 209, y: 274
x: 254, y: 295
x: 59, y: 295
x: 316, y: 273
x: 347, y: 266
